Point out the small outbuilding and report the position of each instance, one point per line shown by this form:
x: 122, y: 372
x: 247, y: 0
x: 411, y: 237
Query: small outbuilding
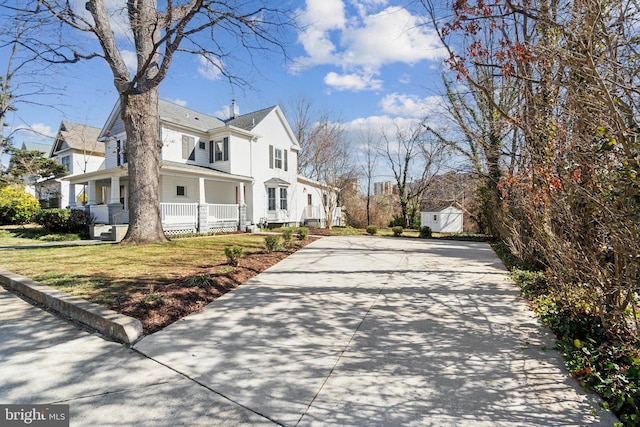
x: 442, y: 219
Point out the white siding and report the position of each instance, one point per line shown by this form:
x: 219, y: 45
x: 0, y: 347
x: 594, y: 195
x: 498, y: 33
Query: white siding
x: 240, y: 156
x: 272, y: 133
x: 110, y: 153
x: 169, y: 185
x: 82, y: 163
x: 448, y: 220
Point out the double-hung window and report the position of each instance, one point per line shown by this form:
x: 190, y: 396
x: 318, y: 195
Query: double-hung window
x: 271, y: 193
x: 278, y: 158
x: 283, y: 199
x: 219, y: 150
x: 66, y: 162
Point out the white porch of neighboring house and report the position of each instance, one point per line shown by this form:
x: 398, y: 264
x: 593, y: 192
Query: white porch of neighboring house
x: 188, y: 203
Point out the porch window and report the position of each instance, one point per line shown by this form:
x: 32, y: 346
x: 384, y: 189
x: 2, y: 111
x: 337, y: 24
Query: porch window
x: 202, y: 145
x: 283, y: 199
x: 271, y: 192
x: 181, y: 190
x: 188, y: 147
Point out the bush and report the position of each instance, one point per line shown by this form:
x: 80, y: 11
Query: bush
x: 286, y: 235
x: 425, y: 232
x: 17, y: 206
x: 272, y: 243
x: 64, y: 220
x: 303, y: 233
x: 234, y: 254
x: 372, y: 230
x: 397, y: 231
x: 200, y: 281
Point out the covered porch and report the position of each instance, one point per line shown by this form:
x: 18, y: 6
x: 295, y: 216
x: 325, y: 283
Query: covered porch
x: 207, y: 202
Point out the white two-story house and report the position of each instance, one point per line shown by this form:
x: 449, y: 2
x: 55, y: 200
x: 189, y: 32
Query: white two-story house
x: 76, y: 146
x: 216, y: 175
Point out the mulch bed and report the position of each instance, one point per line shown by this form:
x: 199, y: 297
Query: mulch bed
x: 166, y: 303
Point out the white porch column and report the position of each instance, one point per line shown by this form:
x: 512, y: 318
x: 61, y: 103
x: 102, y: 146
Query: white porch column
x: 115, y: 189
x: 203, y: 208
x: 115, y: 207
x: 91, y: 190
x: 72, y: 195
x: 242, y: 208
x: 201, y: 192
x: 241, y: 194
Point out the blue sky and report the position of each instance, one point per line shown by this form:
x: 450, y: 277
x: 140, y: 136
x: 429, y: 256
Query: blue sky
x: 365, y: 62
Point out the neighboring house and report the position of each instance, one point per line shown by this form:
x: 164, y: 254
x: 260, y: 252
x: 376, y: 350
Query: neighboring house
x: 76, y: 146
x: 216, y: 175
x: 442, y: 219
x: 36, y: 146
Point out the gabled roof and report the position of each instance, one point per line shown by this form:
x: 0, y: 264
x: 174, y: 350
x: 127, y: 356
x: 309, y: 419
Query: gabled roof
x: 183, y: 116
x: 250, y: 120
x: 36, y: 146
x: 78, y: 137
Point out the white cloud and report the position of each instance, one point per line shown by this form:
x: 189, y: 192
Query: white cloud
x: 209, y: 68
x: 130, y: 59
x: 180, y: 102
x: 393, y: 35
x: 352, y: 82
x: 365, y: 42
x: 37, y: 131
x: 411, y: 105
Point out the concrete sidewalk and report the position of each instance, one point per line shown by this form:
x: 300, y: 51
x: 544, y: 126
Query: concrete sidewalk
x: 380, y: 331
x: 348, y: 331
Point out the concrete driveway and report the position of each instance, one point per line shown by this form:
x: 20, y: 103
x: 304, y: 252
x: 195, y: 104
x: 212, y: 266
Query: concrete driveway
x: 379, y: 331
x: 348, y: 331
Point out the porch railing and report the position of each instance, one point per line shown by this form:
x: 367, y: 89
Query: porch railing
x: 178, y: 213
x: 223, y: 212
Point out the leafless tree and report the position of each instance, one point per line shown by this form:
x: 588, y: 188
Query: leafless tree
x: 214, y: 30
x: 328, y: 161
x: 414, y: 159
x: 370, y: 151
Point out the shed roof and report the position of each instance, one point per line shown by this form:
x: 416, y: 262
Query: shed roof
x: 438, y: 208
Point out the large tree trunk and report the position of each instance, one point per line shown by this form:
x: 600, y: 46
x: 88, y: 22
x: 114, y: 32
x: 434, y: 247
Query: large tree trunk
x: 140, y: 116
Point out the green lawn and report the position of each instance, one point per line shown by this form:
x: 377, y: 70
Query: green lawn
x: 20, y: 235
x: 105, y: 273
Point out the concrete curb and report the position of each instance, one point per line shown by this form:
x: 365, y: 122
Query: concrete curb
x: 115, y: 326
